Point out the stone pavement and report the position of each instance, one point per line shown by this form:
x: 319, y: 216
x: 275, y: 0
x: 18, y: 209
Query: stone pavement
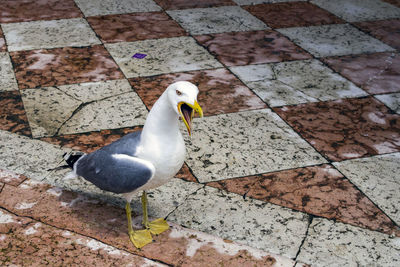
x: 296, y: 162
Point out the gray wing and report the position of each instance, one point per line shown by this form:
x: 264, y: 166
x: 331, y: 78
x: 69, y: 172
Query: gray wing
x: 114, y: 168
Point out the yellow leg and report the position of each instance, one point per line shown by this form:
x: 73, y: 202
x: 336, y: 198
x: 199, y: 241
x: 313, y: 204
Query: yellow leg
x: 157, y: 226
x: 139, y: 238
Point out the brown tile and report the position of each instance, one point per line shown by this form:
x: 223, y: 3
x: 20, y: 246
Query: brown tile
x: 28, y: 10
x: 91, y: 141
x: 387, y: 31
x: 292, y: 14
x: 94, y: 219
x: 134, y: 27
x: 219, y: 89
x: 28, y: 242
x: 393, y: 2
x: 347, y: 128
x: 319, y: 190
x: 244, y: 48
x: 3, y: 47
x: 186, y: 174
x: 48, y: 67
x: 12, y: 113
x: 182, y: 4
x: 11, y: 178
x: 375, y: 73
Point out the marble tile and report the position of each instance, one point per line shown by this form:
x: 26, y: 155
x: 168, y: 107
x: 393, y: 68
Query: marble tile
x: 347, y: 128
x: 20, y: 155
x: 183, y: 4
x: 216, y: 20
x: 318, y: 190
x: 82, y: 215
x: 11, y: 178
x: 393, y: 2
x: 49, y: 34
x: 85, y: 107
x: 255, y: 2
x: 7, y: 76
x: 388, y: 31
x: 295, y: 82
x: 218, y: 90
x: 163, y: 56
x: 337, y: 244
x: 245, y: 143
x: 359, y: 10
x: 288, y: 14
x: 375, y: 73
x: 22, y: 10
x: 323, y: 41
x: 13, y: 117
x: 3, y: 47
x: 391, y: 100
x: 378, y: 178
x: 135, y: 26
x: 24, y: 239
x: 66, y: 65
x: 244, y: 48
x: 250, y: 222
x: 106, y: 7
x: 89, y: 141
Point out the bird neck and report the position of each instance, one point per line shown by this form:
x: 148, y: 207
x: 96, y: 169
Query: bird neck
x: 162, y: 122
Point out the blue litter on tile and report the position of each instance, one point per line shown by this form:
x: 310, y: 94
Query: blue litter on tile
x: 139, y: 55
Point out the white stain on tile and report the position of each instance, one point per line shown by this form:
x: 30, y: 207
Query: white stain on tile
x: 33, y: 229
x: 41, y: 61
x: 10, y: 176
x: 25, y: 205
x: 377, y: 117
x: 3, y: 237
x: 5, y: 218
x: 96, y: 245
x: 55, y: 191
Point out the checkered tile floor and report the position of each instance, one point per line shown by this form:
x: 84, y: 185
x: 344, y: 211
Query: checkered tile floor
x: 297, y: 160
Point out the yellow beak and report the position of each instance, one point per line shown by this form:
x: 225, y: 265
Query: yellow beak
x: 186, y: 117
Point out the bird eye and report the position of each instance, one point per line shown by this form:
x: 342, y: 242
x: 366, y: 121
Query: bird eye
x: 178, y: 92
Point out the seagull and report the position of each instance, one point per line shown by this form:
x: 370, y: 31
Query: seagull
x: 144, y: 159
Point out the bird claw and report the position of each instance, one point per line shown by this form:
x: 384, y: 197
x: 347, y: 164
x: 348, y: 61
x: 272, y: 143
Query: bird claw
x: 140, y: 238
x: 158, y: 226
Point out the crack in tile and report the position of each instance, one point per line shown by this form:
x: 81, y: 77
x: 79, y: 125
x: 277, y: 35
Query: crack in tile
x: 187, y: 196
x: 310, y: 219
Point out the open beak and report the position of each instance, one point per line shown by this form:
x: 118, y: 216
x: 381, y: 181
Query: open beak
x: 187, y: 113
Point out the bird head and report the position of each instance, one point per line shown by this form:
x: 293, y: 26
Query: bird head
x: 183, y: 98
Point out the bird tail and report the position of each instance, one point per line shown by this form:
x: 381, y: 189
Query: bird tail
x: 71, y: 158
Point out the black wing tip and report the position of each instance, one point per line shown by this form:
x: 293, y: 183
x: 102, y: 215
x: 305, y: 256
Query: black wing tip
x: 72, y: 157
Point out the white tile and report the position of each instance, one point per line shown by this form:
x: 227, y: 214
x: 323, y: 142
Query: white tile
x: 82, y: 107
x: 251, y: 222
x: 256, y: 2
x: 295, y: 82
x: 379, y: 178
x: 360, y: 10
x: 163, y: 56
x: 216, y: 20
x: 49, y: 34
x: 334, y: 40
x: 391, y: 100
x: 7, y: 76
x: 337, y: 244
x: 106, y: 7
x: 245, y: 143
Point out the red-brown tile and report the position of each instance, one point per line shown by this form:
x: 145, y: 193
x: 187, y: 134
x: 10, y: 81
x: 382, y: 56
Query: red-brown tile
x: 375, y: 73
x: 3, y: 47
x: 11, y: 178
x: 91, y: 141
x: 292, y: 14
x: 95, y: 219
x: 347, y: 128
x: 134, y: 27
x: 182, y: 4
x: 244, y: 48
x: 393, y: 2
x: 28, y: 242
x: 48, y: 67
x: 12, y: 113
x: 319, y: 190
x: 219, y: 89
x: 186, y: 174
x: 28, y: 10
x: 387, y: 31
